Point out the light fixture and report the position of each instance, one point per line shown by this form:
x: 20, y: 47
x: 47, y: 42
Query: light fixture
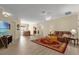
x: 73, y: 32
x: 44, y: 13
x: 6, y: 14
x: 48, y: 18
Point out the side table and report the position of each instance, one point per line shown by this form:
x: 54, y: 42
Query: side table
x: 75, y: 40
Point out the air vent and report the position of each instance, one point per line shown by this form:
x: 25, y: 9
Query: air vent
x: 68, y: 13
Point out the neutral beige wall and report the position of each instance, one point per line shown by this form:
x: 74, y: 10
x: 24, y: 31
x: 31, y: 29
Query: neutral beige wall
x: 17, y: 32
x: 61, y: 24
x: 78, y: 24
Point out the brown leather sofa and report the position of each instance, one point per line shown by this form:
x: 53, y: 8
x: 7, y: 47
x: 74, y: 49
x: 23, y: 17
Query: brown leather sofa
x: 60, y: 34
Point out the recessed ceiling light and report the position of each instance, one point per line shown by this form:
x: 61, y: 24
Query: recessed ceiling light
x: 44, y: 13
x: 48, y: 18
x: 6, y: 14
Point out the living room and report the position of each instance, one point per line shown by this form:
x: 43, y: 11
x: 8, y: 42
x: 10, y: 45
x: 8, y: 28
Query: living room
x: 51, y: 28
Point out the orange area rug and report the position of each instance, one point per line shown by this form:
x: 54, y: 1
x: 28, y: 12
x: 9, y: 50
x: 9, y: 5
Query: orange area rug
x: 57, y: 46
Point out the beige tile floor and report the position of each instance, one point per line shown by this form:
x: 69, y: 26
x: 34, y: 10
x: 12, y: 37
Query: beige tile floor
x: 24, y: 46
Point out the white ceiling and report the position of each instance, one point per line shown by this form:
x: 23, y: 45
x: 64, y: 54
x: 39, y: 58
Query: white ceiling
x: 33, y: 12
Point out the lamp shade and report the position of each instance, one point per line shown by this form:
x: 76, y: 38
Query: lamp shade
x: 73, y: 31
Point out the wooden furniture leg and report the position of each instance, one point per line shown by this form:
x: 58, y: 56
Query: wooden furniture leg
x: 77, y: 41
x: 74, y: 42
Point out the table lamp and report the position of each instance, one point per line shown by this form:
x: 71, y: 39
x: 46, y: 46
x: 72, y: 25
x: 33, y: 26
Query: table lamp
x: 73, y: 32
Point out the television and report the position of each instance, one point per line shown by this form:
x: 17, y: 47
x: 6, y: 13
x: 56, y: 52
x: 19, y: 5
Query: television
x: 4, y: 27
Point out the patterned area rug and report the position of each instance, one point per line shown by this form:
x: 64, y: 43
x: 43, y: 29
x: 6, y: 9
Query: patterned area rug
x: 58, y: 46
